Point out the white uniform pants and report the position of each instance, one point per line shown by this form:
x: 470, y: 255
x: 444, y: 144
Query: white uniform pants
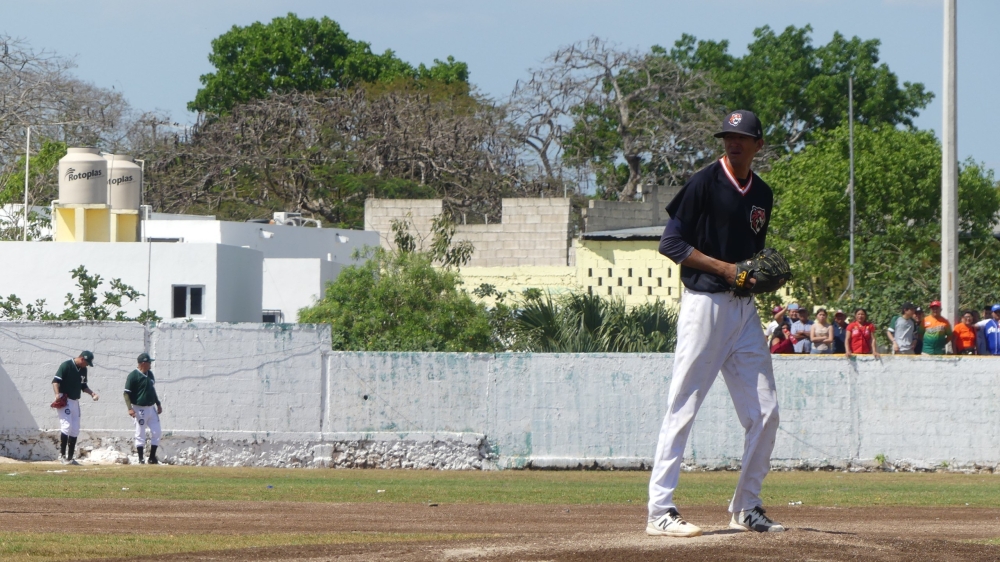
x: 69, y: 418
x: 146, y: 416
x: 717, y: 332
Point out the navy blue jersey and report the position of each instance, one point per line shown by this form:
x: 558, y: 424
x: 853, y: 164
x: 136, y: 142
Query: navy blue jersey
x: 722, y: 220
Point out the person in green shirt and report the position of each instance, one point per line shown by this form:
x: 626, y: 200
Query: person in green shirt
x: 71, y: 380
x: 144, y: 407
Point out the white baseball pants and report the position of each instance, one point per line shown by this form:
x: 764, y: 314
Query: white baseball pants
x: 146, y: 416
x: 717, y: 332
x: 69, y: 418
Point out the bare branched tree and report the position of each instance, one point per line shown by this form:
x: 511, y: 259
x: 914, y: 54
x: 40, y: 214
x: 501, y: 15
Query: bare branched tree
x: 38, y: 90
x: 539, y: 114
x: 29, y: 82
x: 306, y: 152
x: 632, y: 118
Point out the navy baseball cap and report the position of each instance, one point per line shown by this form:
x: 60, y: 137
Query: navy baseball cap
x: 144, y: 357
x: 741, y: 122
x: 88, y: 357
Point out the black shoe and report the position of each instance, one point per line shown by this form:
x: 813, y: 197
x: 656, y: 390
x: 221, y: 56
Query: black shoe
x: 755, y: 520
x: 154, y: 460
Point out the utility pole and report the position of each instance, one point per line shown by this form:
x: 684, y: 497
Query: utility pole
x: 850, y: 184
x: 850, y: 134
x: 949, y: 170
x: 27, y: 168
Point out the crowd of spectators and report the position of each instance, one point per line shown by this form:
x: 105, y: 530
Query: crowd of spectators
x: 909, y: 332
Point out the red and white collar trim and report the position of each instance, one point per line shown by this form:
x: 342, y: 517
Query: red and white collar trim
x: 732, y: 178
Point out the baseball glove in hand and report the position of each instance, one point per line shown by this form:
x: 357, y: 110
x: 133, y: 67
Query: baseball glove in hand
x: 59, y: 402
x: 769, y: 270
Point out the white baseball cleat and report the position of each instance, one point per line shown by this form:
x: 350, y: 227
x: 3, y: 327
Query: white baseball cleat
x: 755, y: 520
x: 670, y: 524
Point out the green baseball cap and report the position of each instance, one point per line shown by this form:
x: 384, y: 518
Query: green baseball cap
x: 144, y: 357
x: 88, y: 357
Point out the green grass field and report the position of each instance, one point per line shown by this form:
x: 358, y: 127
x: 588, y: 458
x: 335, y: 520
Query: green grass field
x: 511, y: 487
x: 44, y: 480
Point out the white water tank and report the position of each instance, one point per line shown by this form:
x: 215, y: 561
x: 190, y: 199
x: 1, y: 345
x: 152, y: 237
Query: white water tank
x: 124, y: 182
x: 83, y: 177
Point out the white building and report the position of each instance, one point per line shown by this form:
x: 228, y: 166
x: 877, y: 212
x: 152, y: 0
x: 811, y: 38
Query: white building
x: 298, y: 261
x: 193, y: 268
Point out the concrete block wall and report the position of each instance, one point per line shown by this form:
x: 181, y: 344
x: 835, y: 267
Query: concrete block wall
x: 265, y: 395
x: 532, y: 232
x: 615, y: 215
x: 379, y: 214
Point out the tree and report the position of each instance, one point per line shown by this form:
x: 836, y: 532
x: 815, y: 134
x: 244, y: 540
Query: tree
x: 898, y: 179
x: 798, y: 89
x: 628, y: 117
x: 581, y: 323
x: 42, y: 188
x: 324, y: 153
x: 37, y: 91
x: 399, y: 301
x: 85, y: 305
x: 300, y: 55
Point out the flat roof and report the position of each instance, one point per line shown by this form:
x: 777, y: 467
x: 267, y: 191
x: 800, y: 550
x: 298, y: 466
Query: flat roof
x: 640, y: 233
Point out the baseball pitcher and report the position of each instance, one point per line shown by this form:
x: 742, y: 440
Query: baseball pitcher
x: 716, y: 232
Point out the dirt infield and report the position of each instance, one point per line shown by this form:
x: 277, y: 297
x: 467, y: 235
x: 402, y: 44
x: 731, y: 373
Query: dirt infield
x: 530, y: 532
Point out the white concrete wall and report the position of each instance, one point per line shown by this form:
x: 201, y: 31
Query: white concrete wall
x: 231, y: 275
x: 567, y: 410
x: 292, y: 284
x: 30, y: 353
x: 276, y: 396
x: 246, y: 380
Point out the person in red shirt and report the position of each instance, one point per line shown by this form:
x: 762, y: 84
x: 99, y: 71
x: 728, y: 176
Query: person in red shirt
x: 780, y: 342
x: 965, y: 335
x: 860, y: 337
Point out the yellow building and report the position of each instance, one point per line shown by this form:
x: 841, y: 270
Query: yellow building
x: 621, y: 263
x: 533, y: 247
x: 626, y: 263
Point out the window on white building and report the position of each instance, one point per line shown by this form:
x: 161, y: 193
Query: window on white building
x: 188, y: 300
x: 273, y: 316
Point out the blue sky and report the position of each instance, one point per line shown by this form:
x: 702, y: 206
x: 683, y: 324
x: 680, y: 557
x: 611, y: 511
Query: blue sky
x: 155, y: 50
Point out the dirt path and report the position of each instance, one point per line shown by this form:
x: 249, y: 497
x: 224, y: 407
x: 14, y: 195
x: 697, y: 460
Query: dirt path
x: 531, y: 532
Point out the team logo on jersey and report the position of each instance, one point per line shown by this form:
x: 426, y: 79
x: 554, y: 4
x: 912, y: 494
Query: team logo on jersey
x: 735, y: 119
x: 757, y: 218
